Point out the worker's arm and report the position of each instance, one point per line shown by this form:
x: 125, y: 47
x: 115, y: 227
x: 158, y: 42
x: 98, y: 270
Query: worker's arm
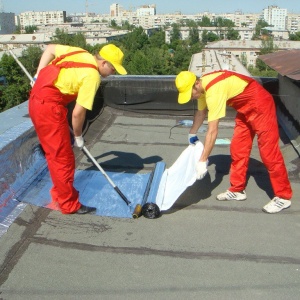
x: 210, y: 138
x: 78, y: 117
x: 47, y: 57
x: 198, y: 121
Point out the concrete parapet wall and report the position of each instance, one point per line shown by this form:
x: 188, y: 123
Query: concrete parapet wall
x: 20, y: 157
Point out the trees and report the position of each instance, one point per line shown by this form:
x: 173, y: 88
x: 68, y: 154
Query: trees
x: 30, y: 58
x: 232, y: 34
x: 205, y: 22
x: 30, y: 29
x: 175, y: 35
x: 209, y: 36
x: 267, y: 46
x: 259, y: 31
x: 244, y: 59
x: 157, y: 39
x: 17, y: 88
x: 194, y: 36
x: 137, y: 39
x: 262, y: 69
x: 226, y: 29
x: 18, y: 29
x: 127, y: 26
x: 295, y: 36
x: 113, y: 24
x: 64, y: 38
x: 152, y: 56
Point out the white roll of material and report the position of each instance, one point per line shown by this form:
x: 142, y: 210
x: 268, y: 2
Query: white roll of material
x: 178, y: 177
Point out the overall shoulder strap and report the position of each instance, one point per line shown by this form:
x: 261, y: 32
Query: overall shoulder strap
x: 225, y: 74
x: 58, y: 59
x: 72, y: 64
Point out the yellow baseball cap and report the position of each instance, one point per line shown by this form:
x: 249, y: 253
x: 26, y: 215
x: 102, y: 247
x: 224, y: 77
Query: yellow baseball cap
x: 184, y: 83
x: 113, y: 55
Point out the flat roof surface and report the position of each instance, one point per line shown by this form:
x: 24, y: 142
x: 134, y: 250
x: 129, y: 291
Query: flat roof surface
x: 199, y: 249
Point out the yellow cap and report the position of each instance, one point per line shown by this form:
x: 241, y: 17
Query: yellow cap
x: 184, y: 83
x: 113, y: 55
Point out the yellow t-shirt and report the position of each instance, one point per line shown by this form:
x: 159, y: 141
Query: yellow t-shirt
x: 216, y: 97
x: 82, y: 81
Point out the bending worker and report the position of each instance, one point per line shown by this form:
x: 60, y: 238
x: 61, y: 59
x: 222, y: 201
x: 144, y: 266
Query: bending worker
x: 256, y: 115
x: 66, y: 74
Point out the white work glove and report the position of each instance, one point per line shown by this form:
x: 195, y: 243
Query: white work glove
x: 201, y: 168
x: 78, y: 142
x: 193, y: 139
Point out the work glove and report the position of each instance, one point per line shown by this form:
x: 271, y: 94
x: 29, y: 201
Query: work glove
x: 201, y: 168
x: 193, y: 139
x: 79, y: 142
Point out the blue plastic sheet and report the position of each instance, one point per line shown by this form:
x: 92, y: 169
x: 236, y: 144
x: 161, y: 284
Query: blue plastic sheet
x: 96, y: 191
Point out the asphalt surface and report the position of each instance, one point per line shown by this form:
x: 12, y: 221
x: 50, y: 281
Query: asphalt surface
x: 200, y: 249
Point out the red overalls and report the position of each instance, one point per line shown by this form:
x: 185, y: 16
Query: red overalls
x: 256, y: 115
x: 47, y: 109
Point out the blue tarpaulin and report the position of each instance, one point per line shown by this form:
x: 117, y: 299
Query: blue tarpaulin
x: 96, y: 191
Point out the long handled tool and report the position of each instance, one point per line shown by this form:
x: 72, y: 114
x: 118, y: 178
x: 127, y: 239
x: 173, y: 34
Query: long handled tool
x: 21, y: 66
x: 86, y: 151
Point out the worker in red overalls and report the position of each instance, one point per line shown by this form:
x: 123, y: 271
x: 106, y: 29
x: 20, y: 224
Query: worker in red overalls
x: 256, y: 115
x: 66, y: 74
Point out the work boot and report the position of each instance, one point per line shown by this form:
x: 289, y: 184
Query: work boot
x: 85, y: 210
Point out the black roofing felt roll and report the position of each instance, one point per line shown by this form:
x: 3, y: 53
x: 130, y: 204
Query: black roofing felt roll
x: 150, y: 210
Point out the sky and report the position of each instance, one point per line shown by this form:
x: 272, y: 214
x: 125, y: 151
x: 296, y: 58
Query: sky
x: 162, y: 6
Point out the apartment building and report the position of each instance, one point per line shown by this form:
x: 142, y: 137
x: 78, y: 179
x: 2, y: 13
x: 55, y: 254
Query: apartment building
x: 145, y: 16
x: 240, y: 19
x: 7, y: 23
x: 22, y: 41
x: 115, y: 10
x: 248, y: 50
x: 293, y: 23
x: 245, y: 33
x: 146, y: 10
x: 276, y: 17
x: 38, y: 18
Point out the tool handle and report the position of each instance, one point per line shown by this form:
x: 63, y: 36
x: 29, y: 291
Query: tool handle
x: 86, y: 151
x: 122, y: 195
x: 137, y: 211
x: 21, y: 66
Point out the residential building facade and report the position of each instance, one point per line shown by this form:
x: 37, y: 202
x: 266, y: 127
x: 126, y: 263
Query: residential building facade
x: 248, y: 51
x: 276, y: 17
x: 7, y: 23
x: 146, y: 10
x: 38, y: 18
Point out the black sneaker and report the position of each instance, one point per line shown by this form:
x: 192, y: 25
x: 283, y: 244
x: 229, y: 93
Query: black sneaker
x: 85, y: 210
